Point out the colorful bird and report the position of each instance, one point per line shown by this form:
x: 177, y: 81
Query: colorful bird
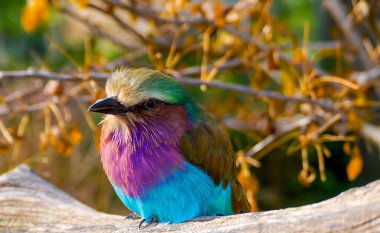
x: 165, y: 158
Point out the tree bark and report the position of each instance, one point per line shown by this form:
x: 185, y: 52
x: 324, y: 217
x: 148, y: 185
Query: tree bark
x: 29, y: 203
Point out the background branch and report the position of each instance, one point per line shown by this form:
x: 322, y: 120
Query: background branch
x: 336, y: 9
x: 95, y: 28
x: 184, y: 80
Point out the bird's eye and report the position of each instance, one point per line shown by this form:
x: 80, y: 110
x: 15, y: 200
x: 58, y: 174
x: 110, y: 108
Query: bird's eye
x: 151, y: 104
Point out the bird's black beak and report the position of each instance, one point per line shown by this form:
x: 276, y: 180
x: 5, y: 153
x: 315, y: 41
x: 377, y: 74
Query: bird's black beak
x: 108, y: 105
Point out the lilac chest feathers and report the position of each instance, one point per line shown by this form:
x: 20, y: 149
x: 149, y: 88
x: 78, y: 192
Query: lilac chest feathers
x: 140, y: 153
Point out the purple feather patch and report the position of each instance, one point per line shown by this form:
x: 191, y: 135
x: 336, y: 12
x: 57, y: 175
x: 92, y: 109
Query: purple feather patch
x: 144, y: 153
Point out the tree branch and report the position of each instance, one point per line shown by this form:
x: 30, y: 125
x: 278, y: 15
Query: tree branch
x: 273, y: 141
x: 367, y: 77
x: 148, y: 13
x: 95, y: 28
x: 327, y: 105
x: 121, y: 23
x: 336, y: 9
x: 29, y: 203
x: 196, y: 70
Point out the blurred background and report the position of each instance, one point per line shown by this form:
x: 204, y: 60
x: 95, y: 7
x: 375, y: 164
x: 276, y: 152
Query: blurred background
x: 300, y: 93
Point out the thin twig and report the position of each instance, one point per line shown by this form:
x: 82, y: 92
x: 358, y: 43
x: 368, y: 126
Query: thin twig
x: 366, y: 77
x: 371, y: 132
x: 29, y: 108
x: 336, y: 9
x: 316, y: 45
x: 127, y: 60
x: 148, y: 13
x: 259, y: 93
x: 24, y: 92
x: 122, y: 23
x: 245, y: 37
x: 4, y: 131
x: 95, y: 28
x: 196, y: 70
x: 262, y: 148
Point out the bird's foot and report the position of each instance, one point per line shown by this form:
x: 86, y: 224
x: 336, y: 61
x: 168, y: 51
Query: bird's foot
x: 152, y: 221
x: 133, y: 216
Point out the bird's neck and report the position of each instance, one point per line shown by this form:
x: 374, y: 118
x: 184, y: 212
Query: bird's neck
x: 137, y: 155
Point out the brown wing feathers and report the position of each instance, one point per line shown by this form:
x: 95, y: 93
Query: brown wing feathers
x: 207, y: 147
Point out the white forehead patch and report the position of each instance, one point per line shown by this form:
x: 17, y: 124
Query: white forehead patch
x: 124, y: 84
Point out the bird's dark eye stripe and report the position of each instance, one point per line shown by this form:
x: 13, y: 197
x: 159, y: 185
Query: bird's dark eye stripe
x: 145, y: 105
x: 151, y: 104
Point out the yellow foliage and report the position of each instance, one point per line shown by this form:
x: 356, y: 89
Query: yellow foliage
x: 289, y: 86
x: 43, y: 141
x: 219, y: 14
x: 307, y: 176
x: 34, y: 14
x: 4, y: 147
x: 53, y: 87
x: 273, y: 59
x: 250, y: 185
x: 347, y: 148
x: 75, y: 135
x: 361, y: 100
x: 354, y: 121
x: 299, y: 55
x: 97, y: 134
x: 248, y: 181
x: 80, y: 3
x: 59, y: 142
x: 2, y: 99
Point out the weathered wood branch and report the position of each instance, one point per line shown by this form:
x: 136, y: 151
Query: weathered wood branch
x: 29, y: 203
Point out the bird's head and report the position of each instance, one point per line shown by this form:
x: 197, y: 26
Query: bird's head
x: 142, y: 93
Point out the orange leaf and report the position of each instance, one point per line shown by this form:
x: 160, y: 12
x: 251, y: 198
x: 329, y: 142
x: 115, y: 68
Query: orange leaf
x: 273, y: 59
x: 53, y: 87
x: 81, y: 3
x: 361, y: 100
x: 354, y: 121
x: 2, y: 99
x: 299, y: 55
x: 68, y: 150
x: 4, y: 147
x: 347, y: 148
x: 219, y: 14
x: 250, y: 186
x: 306, y: 177
x: 43, y: 141
x: 355, y: 166
x: 34, y: 14
x: 75, y: 135
x: 289, y: 86
x: 54, y: 136
x: 97, y: 134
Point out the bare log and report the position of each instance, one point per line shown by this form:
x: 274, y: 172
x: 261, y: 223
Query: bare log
x: 29, y: 203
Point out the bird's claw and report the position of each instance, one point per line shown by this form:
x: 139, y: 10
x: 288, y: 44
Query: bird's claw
x: 152, y: 221
x: 133, y: 216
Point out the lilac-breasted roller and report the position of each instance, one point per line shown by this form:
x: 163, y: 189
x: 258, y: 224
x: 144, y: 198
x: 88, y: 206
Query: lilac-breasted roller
x: 166, y: 159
